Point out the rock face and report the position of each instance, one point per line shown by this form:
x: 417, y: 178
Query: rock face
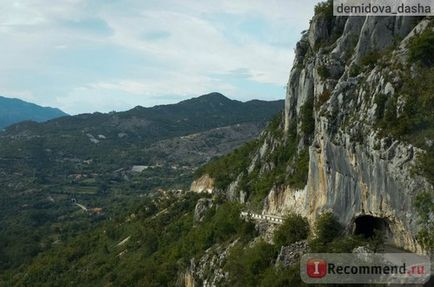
x: 353, y: 170
x: 208, y: 271
x: 347, y: 74
x: 204, y: 184
x: 343, y: 69
x: 202, y: 207
x: 290, y: 255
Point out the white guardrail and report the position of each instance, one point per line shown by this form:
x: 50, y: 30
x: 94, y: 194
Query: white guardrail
x: 262, y: 217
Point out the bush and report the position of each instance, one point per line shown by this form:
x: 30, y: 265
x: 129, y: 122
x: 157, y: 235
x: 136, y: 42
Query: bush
x: 415, y: 121
x: 325, y: 8
x: 324, y: 97
x: 323, y: 72
x: 247, y: 265
x: 380, y: 101
x: 424, y: 204
x: 425, y: 165
x: 354, y: 70
x: 298, y: 178
x: 421, y: 48
x: 307, y: 119
x: 282, y: 277
x: 345, y: 244
x: 327, y: 229
x: 370, y: 59
x: 225, y: 169
x: 293, y: 229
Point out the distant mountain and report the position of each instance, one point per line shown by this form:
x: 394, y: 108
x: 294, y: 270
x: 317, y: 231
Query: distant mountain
x: 147, y: 125
x: 14, y: 110
x: 120, y: 139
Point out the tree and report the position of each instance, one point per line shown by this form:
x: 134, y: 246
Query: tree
x: 293, y: 229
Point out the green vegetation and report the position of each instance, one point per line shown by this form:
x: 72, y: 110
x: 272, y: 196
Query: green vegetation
x: 246, y: 265
x: 421, y: 48
x: 274, y: 126
x: 159, y: 247
x: 355, y: 70
x: 424, y: 204
x: 329, y: 237
x: 282, y: 277
x: 327, y: 228
x: 307, y: 117
x: 225, y: 169
x: 293, y: 229
x: 254, y: 266
x: 323, y: 98
x: 323, y: 72
x: 425, y: 165
x: 415, y: 122
x: 299, y: 176
x: 370, y: 59
x: 324, y: 8
x: 381, y: 100
x: 284, y: 155
x: 45, y: 168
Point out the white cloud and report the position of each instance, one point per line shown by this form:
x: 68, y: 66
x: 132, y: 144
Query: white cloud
x: 169, y: 48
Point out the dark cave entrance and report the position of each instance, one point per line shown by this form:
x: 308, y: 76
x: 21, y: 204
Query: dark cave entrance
x: 367, y: 225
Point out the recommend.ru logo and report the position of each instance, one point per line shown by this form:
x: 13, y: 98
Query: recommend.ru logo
x: 362, y: 268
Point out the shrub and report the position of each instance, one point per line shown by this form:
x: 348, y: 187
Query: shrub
x: 246, y: 265
x: 293, y: 229
x: 370, y: 59
x: 345, y: 244
x: 323, y: 72
x: 424, y: 204
x: 415, y: 121
x: 425, y: 165
x: 274, y: 125
x: 421, y: 48
x: 225, y: 169
x: 307, y: 119
x: 327, y: 229
x: 298, y: 178
x: 282, y: 277
x: 325, y: 8
x: 380, y: 101
x: 323, y: 97
x: 354, y: 70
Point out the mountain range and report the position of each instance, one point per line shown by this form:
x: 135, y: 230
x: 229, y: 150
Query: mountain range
x: 167, y: 196
x: 51, y: 171
x: 14, y: 110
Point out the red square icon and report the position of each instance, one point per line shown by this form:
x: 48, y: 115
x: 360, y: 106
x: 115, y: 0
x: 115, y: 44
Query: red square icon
x: 316, y: 268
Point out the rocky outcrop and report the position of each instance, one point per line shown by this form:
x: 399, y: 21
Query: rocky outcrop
x: 201, y: 209
x: 204, y: 184
x: 344, y: 65
x: 290, y: 255
x: 352, y: 169
x: 208, y: 271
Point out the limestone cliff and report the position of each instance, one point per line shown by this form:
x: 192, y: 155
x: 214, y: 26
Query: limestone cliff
x: 204, y: 184
x: 346, y: 142
x: 355, y: 167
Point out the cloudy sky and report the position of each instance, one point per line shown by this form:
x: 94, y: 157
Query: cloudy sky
x: 104, y: 55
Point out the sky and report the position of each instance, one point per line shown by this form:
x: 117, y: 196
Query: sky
x: 112, y: 55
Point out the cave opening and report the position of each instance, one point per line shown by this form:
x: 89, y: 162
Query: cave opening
x: 367, y: 225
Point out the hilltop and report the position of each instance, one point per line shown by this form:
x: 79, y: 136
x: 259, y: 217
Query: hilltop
x: 14, y: 110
